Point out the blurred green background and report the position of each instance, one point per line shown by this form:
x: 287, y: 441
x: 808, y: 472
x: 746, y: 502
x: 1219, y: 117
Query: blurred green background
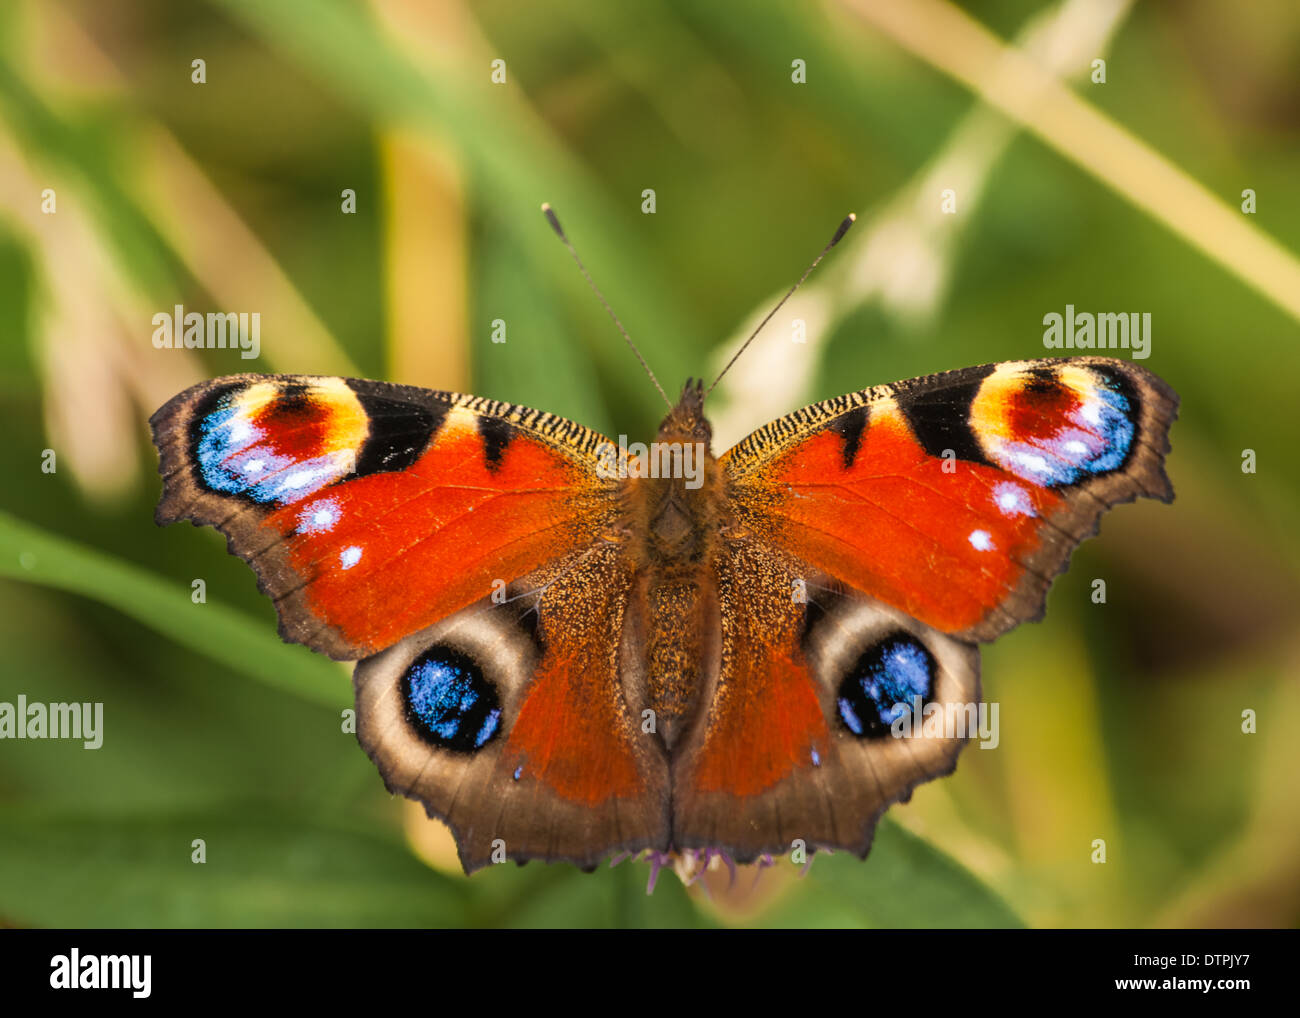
x: 1120, y: 722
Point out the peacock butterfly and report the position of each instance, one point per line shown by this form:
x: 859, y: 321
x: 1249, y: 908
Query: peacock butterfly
x: 575, y: 661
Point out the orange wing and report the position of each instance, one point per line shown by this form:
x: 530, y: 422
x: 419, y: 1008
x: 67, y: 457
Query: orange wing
x: 541, y: 755
x: 797, y: 742
x: 467, y: 549
x: 957, y: 497
x: 869, y: 541
x: 370, y: 511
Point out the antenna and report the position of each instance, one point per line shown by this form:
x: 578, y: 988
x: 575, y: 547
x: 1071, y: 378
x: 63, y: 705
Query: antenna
x: 840, y: 231
x: 559, y: 232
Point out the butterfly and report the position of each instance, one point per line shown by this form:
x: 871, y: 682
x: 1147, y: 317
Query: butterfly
x: 568, y: 649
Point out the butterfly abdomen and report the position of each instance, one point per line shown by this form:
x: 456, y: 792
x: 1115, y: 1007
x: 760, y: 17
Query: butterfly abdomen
x: 677, y: 613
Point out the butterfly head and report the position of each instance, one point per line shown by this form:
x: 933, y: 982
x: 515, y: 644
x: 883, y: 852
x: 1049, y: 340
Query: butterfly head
x: 686, y: 421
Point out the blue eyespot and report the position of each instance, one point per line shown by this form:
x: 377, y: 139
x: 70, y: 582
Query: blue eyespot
x: 236, y: 455
x: 1114, y: 418
x: 883, y: 683
x: 1095, y: 438
x: 448, y: 701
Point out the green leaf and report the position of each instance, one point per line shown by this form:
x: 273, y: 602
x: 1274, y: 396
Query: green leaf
x: 905, y: 882
x: 82, y: 871
x: 243, y: 644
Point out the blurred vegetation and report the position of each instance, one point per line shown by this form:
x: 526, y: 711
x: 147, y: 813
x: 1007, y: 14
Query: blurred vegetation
x: 1119, y: 721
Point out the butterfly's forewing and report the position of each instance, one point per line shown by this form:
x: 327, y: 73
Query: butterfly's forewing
x: 956, y: 498
x: 369, y: 510
x: 916, y: 518
x: 464, y: 548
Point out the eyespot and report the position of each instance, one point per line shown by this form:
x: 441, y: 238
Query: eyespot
x: 1057, y: 427
x: 448, y: 702
x: 276, y: 442
x: 883, y: 683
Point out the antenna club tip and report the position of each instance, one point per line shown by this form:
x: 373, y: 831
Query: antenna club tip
x: 849, y: 220
x: 551, y: 218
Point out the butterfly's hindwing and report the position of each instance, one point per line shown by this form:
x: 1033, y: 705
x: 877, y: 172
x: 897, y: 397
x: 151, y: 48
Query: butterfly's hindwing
x: 799, y: 740
x: 509, y: 721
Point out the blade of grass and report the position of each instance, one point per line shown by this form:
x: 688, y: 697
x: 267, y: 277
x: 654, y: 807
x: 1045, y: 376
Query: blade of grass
x: 512, y: 155
x: 149, y: 219
x: 952, y: 41
x: 32, y: 555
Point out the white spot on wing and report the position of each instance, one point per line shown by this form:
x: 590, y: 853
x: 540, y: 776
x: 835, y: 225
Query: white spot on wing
x: 1013, y: 500
x: 1033, y: 462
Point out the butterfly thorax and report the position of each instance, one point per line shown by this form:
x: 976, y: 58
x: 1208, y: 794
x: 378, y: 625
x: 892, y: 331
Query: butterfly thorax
x: 676, y: 513
x: 679, y: 489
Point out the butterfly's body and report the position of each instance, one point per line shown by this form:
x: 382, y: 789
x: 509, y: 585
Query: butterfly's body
x: 563, y: 661
x: 676, y: 527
